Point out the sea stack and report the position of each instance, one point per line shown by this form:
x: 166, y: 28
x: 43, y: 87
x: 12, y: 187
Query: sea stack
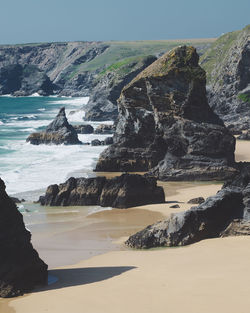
x: 58, y: 132
x: 166, y: 126
x: 21, y: 269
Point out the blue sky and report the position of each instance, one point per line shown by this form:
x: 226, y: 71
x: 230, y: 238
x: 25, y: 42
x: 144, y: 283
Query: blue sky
x: 68, y: 20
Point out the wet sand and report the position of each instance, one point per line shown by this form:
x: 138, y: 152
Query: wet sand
x: 210, y: 276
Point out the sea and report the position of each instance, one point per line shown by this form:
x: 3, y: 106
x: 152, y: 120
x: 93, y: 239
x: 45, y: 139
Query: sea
x: 25, y: 167
x: 62, y: 235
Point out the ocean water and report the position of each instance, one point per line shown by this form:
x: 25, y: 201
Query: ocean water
x: 25, y: 167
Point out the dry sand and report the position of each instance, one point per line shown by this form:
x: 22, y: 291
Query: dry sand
x: 211, y: 276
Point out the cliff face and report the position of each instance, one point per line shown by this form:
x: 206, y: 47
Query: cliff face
x: 166, y: 125
x: 228, y: 65
x: 102, y: 104
x: 21, y: 269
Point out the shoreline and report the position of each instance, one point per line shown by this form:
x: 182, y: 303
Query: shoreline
x: 126, y: 280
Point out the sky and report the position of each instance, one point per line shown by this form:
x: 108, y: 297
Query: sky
x: 26, y: 21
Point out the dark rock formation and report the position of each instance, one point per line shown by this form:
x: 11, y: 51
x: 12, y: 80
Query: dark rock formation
x: 119, y: 192
x: 226, y: 213
x: 96, y: 142
x: 197, y: 200
x: 244, y: 136
x: 24, y: 80
x: 228, y: 65
x: 108, y: 141
x: 104, y: 129
x: 58, y: 132
x: 21, y: 269
x: 102, y: 104
x: 175, y: 206
x: 165, y: 124
x: 84, y: 129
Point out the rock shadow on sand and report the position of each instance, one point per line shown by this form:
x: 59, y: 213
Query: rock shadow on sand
x: 83, y: 276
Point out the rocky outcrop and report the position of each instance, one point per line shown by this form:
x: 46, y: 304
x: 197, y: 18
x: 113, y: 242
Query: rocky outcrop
x: 244, y: 135
x: 84, y: 129
x: 21, y: 269
x: 24, y: 80
x: 104, y: 129
x: 102, y: 104
x: 226, y: 213
x: 124, y: 191
x: 228, y: 66
x: 165, y: 124
x: 197, y: 200
x: 58, y: 132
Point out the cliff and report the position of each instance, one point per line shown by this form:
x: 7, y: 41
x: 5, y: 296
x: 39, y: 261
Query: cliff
x: 21, y: 269
x: 227, y: 63
x: 165, y: 124
x: 84, y: 68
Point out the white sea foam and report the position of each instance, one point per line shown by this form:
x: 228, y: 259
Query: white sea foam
x: 73, y: 101
x: 98, y: 209
x: 1, y: 123
x: 41, y: 109
x: 36, y: 94
x: 32, y: 167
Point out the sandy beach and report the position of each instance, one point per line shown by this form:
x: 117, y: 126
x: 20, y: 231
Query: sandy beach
x: 209, y: 276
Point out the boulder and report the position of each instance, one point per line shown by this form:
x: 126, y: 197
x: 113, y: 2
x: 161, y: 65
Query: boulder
x: 104, y: 129
x: 124, y: 191
x: 197, y: 200
x: 84, y: 129
x: 108, y: 141
x: 96, y: 142
x: 225, y: 214
x: 21, y: 269
x: 58, y: 132
x: 166, y: 126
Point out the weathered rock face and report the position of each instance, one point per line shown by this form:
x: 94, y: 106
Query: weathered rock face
x: 119, y: 192
x: 21, y: 269
x: 227, y: 213
x: 58, y: 132
x: 24, y: 80
x: 165, y: 124
x: 228, y: 65
x: 102, y: 104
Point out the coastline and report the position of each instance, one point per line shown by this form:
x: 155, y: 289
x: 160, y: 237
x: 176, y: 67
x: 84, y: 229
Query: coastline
x: 152, y: 280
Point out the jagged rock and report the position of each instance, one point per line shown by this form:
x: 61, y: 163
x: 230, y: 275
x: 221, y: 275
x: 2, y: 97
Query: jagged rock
x: 96, y: 142
x: 21, y: 269
x: 58, y: 132
x: 24, y: 80
x: 228, y: 67
x: 104, y: 129
x: 165, y: 124
x: 213, y: 218
x: 108, y: 141
x: 244, y: 136
x: 124, y: 191
x: 102, y: 103
x: 197, y: 200
x: 207, y: 220
x: 84, y: 129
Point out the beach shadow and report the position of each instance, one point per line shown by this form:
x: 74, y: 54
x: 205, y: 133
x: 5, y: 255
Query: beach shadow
x: 83, y: 276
